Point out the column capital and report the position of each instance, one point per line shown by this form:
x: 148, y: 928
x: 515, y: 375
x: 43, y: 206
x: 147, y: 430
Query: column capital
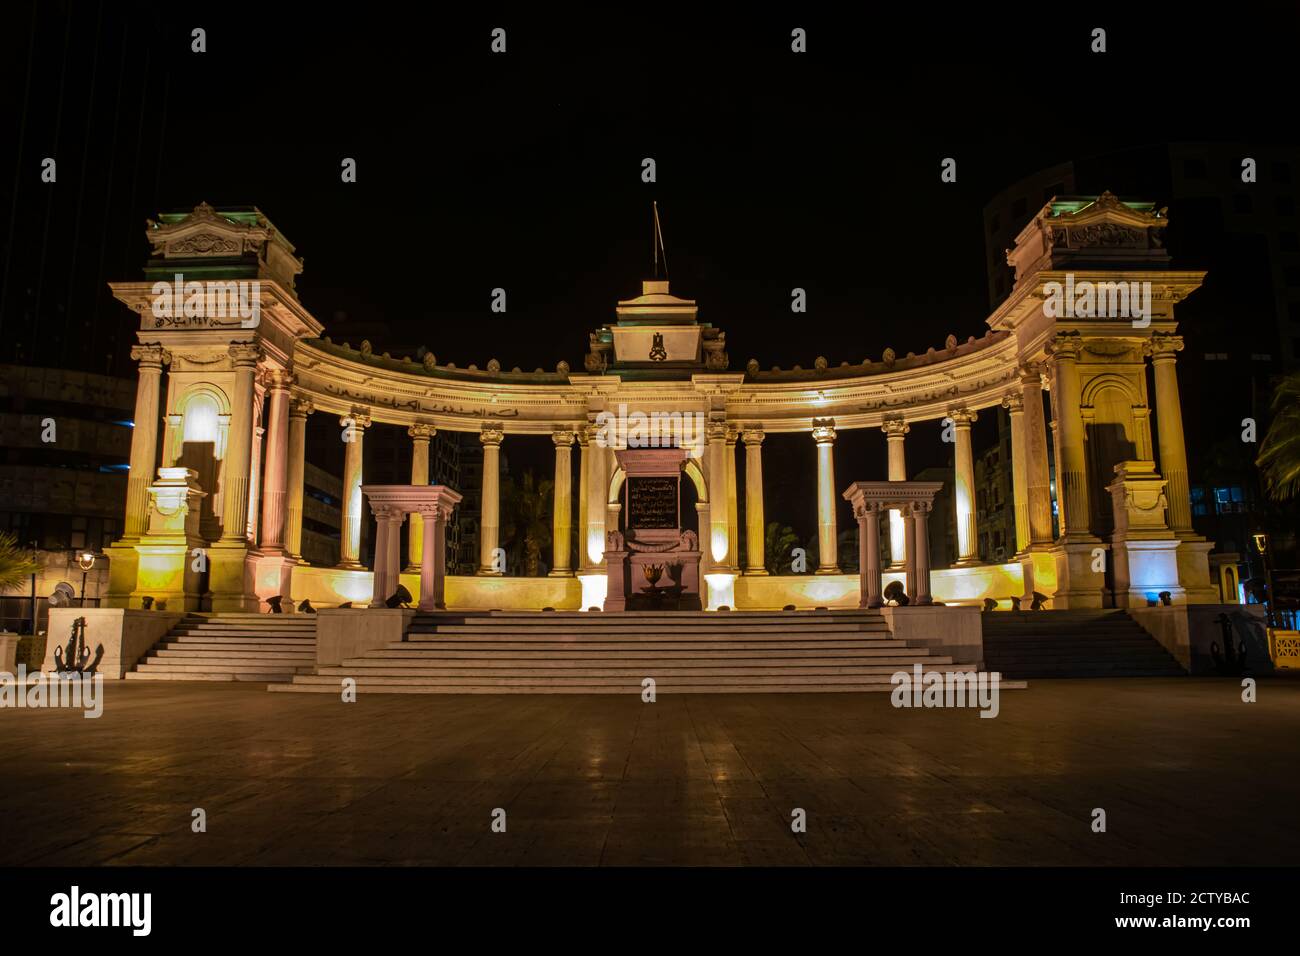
x: 151, y: 356
x: 962, y: 417
x: 583, y: 434
x: 715, y: 431
x: 1014, y: 402
x: 1162, y: 346
x: 300, y: 406
x: 823, y: 431
x: 1065, y: 346
x: 895, y: 427
x: 866, y: 507
x: 421, y: 432
x: 753, y: 434
x: 733, y: 433
x: 920, y: 507
x: 1031, y: 374
x: 277, y: 379
x: 357, y: 417
x: 244, y: 354
x: 491, y: 434
x: 562, y: 436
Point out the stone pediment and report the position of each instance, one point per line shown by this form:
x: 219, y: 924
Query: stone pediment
x: 1075, y: 232
x: 238, y: 243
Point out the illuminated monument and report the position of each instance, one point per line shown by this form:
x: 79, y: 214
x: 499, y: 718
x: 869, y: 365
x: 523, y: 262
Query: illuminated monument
x: 217, y: 458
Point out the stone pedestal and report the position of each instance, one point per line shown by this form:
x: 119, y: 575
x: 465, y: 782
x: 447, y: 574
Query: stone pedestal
x: 1144, y: 552
x: 653, y: 572
x: 1078, y: 584
x: 166, y: 562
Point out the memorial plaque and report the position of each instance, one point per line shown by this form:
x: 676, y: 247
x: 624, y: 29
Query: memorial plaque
x: 652, y: 502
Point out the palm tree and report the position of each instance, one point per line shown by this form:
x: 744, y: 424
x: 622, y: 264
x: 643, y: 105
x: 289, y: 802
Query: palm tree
x: 16, y: 564
x: 1279, y: 456
x: 779, y: 540
x: 526, y: 520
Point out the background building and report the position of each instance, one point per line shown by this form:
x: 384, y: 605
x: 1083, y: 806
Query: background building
x: 64, y: 441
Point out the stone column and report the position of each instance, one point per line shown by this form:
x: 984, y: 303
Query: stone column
x: 144, y: 436
x: 1014, y: 403
x: 1072, y: 466
x: 755, y: 529
x: 275, y: 494
x: 420, y: 435
x: 299, y: 409
x: 733, y: 502
x: 489, y: 522
x: 827, y: 548
x: 388, y: 536
x: 1169, y: 417
x: 433, y: 563
x: 921, y: 553
x: 1038, y: 482
x: 561, y: 510
x: 895, y: 429
x: 237, y: 467
x: 868, y: 515
x: 964, y: 487
x: 255, y: 474
x: 583, y: 436
x: 599, y: 453
x: 354, y: 425
x: 718, y: 548
x: 909, y: 561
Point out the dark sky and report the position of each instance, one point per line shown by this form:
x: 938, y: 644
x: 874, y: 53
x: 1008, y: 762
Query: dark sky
x: 522, y: 170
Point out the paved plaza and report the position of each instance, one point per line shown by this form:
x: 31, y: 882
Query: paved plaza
x: 1186, y: 772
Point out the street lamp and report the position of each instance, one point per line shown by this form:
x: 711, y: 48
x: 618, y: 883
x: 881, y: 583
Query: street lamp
x: 86, y: 560
x: 1261, y: 545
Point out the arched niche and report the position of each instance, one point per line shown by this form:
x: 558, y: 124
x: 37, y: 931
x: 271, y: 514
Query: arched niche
x: 197, y: 437
x: 1114, y: 416
x: 691, y: 468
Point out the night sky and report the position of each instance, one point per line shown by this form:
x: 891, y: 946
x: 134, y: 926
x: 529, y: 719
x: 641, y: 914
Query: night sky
x: 522, y: 170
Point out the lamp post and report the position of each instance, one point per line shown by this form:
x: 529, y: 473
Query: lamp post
x: 86, y: 560
x: 1261, y: 545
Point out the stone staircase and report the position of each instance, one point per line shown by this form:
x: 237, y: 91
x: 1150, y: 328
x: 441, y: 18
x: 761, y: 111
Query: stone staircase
x: 252, y: 647
x: 1073, y: 643
x: 593, y: 653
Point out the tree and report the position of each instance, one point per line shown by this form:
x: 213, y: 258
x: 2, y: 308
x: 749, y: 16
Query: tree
x: 1279, y: 456
x: 526, y: 520
x: 16, y: 564
x: 778, y: 542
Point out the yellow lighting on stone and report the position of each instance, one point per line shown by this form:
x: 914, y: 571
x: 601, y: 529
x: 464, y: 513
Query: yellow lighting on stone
x: 718, y: 544
x: 595, y: 546
x: 594, y: 589
x: 722, y: 590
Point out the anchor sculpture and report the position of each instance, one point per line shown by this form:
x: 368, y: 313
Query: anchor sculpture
x: 77, y: 656
x: 1231, y: 661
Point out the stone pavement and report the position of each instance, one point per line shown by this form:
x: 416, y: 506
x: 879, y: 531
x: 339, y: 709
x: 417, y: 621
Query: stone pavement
x: 1187, y: 775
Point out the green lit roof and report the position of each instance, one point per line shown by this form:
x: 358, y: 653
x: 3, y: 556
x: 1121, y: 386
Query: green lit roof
x: 1068, y: 205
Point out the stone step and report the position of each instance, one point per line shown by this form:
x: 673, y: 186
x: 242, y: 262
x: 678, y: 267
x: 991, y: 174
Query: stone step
x: 221, y: 638
x: 670, y: 688
x: 358, y: 667
x: 266, y: 677
x: 400, y: 651
x: 333, y: 677
x: 239, y: 643
x: 237, y: 666
x: 165, y: 653
x: 642, y: 635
